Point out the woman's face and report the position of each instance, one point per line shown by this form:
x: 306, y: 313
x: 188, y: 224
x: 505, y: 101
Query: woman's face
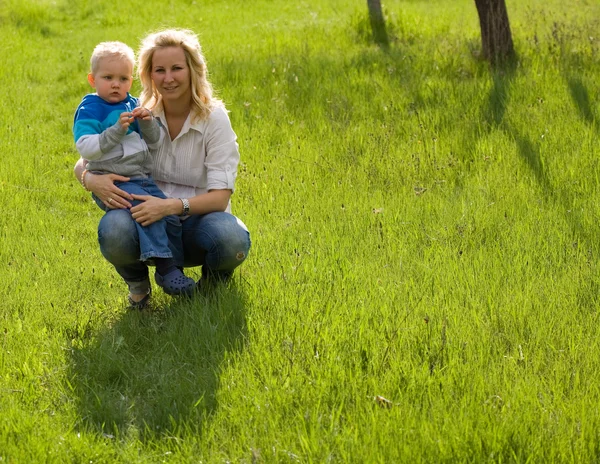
x: 171, y: 74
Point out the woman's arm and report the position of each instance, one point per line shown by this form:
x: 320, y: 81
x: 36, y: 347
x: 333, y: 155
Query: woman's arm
x: 103, y: 186
x: 211, y: 202
x: 153, y: 209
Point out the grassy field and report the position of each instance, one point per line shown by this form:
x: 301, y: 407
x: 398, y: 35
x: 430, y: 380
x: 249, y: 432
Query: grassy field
x: 423, y: 283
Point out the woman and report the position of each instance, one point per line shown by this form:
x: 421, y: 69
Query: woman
x: 195, y: 166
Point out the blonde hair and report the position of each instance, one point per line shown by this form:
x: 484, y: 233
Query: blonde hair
x: 111, y: 50
x: 203, y: 101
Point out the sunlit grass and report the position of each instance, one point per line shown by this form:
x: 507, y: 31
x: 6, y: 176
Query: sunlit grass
x: 424, y: 230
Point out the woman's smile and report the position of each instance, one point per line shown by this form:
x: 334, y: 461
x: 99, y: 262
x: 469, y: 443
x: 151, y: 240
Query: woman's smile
x: 171, y: 74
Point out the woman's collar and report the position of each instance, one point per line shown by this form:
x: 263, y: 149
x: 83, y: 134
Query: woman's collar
x: 190, y: 122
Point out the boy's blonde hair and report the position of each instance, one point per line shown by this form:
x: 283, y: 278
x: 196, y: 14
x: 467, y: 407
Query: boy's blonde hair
x: 112, y: 50
x: 203, y: 101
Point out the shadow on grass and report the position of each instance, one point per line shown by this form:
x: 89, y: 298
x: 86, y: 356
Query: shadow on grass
x: 581, y: 98
x: 156, y: 373
x: 498, y: 99
x: 529, y: 151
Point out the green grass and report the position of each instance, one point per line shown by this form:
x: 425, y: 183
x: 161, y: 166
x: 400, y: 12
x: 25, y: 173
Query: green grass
x: 424, y: 229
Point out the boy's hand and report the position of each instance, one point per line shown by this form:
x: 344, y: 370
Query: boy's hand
x: 125, y: 119
x: 142, y: 113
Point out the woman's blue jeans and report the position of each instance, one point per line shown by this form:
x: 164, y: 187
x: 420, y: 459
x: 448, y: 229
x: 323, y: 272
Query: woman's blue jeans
x: 219, y: 242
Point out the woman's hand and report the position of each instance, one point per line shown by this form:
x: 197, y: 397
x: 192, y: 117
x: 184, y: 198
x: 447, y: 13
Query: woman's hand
x: 151, y: 209
x: 103, y: 186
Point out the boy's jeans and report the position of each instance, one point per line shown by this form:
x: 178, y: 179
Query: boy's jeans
x: 159, y: 239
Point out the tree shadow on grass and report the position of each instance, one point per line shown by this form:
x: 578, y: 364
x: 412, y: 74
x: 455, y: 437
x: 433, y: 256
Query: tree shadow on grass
x: 581, y: 98
x: 156, y: 373
x: 529, y: 151
x: 498, y: 99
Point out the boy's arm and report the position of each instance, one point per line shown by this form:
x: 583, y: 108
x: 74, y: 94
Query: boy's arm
x: 93, y: 146
x: 149, y: 127
x: 151, y: 131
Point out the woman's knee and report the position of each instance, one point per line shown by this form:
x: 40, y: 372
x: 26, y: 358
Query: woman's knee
x: 236, y: 239
x: 231, y: 242
x: 118, y: 237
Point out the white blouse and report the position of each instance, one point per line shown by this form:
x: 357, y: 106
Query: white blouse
x: 204, y: 156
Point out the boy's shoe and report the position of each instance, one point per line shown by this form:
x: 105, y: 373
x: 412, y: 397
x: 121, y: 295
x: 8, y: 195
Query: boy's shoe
x: 139, y: 305
x: 176, y: 283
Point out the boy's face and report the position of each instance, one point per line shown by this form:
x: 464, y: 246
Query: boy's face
x: 112, y: 80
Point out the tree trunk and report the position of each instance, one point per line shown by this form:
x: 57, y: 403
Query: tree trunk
x: 377, y: 22
x: 496, y: 38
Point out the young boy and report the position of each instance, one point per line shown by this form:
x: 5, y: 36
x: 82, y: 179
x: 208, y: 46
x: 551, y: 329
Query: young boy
x: 114, y: 135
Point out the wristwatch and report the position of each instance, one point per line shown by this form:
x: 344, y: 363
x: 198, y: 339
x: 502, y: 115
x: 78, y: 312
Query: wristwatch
x: 186, y: 206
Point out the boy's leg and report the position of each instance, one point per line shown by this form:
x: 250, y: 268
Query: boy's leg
x: 153, y: 239
x: 173, y: 224
x: 121, y: 242
x: 219, y: 242
x: 155, y: 242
